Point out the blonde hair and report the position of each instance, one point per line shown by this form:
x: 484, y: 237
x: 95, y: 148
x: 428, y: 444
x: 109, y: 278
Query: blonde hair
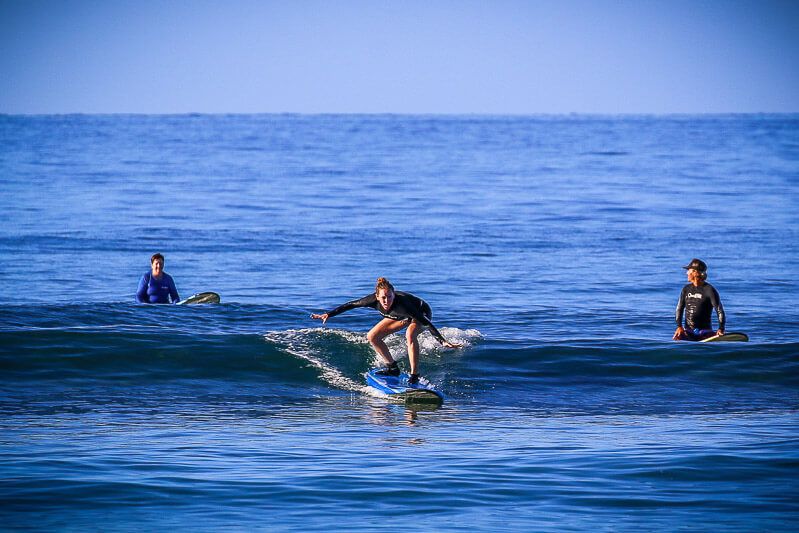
x: 383, y: 283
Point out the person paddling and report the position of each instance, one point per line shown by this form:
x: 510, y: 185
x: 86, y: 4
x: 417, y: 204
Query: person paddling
x: 698, y: 299
x: 399, y: 310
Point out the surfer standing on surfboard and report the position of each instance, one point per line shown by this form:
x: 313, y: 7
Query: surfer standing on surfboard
x: 156, y: 286
x: 399, y: 310
x: 698, y: 299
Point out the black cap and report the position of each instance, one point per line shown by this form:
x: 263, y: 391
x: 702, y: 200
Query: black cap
x: 696, y: 264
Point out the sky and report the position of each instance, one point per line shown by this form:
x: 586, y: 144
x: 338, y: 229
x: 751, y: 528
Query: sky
x: 433, y: 56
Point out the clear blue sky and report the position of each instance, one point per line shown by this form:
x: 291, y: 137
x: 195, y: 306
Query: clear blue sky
x: 174, y: 56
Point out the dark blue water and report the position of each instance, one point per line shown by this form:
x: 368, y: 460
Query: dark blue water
x: 550, y: 246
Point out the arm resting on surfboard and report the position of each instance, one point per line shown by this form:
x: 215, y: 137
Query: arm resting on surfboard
x: 715, y: 299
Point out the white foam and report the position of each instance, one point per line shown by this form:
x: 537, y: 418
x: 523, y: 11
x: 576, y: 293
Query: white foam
x: 429, y: 346
x: 303, y: 343
x: 298, y: 342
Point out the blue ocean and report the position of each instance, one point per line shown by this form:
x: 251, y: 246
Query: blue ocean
x: 551, y: 247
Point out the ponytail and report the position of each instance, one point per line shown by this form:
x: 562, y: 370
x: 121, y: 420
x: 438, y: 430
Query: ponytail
x: 383, y: 283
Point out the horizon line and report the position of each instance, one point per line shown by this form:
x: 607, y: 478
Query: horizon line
x: 407, y: 114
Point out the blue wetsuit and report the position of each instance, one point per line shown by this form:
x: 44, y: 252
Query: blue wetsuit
x: 157, y: 291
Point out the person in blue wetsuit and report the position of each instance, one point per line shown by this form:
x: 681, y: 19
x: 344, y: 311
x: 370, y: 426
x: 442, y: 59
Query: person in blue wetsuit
x: 697, y: 300
x: 400, y: 310
x: 156, y: 286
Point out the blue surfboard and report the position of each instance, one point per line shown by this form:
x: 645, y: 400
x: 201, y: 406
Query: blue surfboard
x: 398, y: 387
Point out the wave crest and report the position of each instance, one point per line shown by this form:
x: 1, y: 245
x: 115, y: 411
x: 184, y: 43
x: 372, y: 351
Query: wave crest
x: 339, y: 354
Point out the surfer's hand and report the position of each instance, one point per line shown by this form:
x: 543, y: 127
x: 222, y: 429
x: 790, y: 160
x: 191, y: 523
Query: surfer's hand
x: 453, y: 345
x: 323, y: 317
x: 678, y: 334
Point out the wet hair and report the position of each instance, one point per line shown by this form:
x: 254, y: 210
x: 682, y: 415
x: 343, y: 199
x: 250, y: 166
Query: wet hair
x: 703, y: 275
x: 383, y: 283
x: 156, y: 256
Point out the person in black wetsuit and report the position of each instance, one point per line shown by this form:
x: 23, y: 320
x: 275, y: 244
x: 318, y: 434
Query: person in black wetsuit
x: 698, y: 299
x: 399, y: 310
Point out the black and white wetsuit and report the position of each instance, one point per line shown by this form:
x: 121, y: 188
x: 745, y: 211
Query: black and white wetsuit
x: 406, y: 306
x: 698, y: 303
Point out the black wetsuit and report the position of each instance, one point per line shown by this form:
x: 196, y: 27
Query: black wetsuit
x: 698, y: 303
x: 406, y: 306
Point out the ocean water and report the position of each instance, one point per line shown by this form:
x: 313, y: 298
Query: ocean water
x: 550, y: 246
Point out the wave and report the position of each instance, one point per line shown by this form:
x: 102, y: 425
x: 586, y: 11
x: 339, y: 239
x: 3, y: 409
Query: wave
x: 633, y: 360
x: 337, y: 357
x: 334, y: 351
x: 333, y: 361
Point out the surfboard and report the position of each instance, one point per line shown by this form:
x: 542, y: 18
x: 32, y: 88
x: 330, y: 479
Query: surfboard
x: 201, y: 298
x: 398, y: 387
x: 733, y: 336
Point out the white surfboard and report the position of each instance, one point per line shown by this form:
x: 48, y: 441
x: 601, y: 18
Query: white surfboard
x: 201, y: 298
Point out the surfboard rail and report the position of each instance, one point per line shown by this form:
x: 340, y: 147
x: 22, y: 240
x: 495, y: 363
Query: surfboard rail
x: 732, y: 336
x: 397, y: 387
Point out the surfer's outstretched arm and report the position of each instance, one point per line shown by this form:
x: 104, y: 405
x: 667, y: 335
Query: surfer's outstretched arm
x: 423, y: 320
x: 449, y: 344
x: 440, y: 338
x: 367, y: 301
x: 323, y: 317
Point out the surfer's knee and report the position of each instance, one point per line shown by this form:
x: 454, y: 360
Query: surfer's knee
x: 374, y: 336
x: 412, y: 333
